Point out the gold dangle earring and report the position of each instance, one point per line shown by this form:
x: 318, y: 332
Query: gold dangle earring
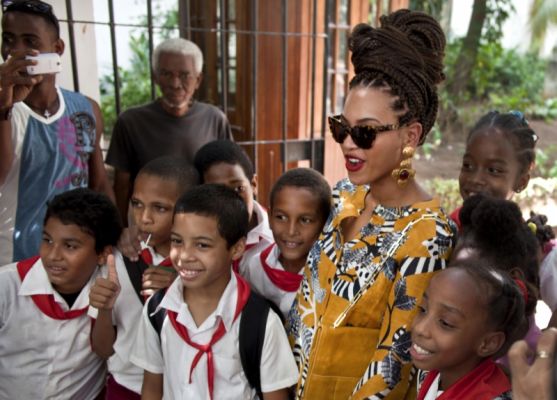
x: 405, y: 172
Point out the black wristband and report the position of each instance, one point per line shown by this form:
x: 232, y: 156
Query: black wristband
x: 5, y: 114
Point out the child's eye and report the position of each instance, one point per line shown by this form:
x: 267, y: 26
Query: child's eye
x: 306, y: 220
x: 70, y: 246
x: 46, y: 240
x: 466, y: 166
x: 202, y: 245
x: 135, y: 204
x: 280, y: 217
x: 175, y: 241
x: 445, y: 324
x: 421, y: 310
x: 161, y: 209
x: 495, y: 171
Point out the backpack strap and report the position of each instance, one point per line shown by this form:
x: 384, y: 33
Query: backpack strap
x: 253, y: 323
x: 135, y: 272
x: 156, y: 318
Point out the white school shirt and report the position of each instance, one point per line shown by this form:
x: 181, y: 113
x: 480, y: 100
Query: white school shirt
x: 258, y: 239
x: 126, y: 315
x: 548, y: 279
x: 262, y: 284
x: 172, y: 357
x: 41, y: 357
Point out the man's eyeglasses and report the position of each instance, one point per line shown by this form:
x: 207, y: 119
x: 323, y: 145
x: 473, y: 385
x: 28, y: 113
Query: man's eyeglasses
x: 363, y: 136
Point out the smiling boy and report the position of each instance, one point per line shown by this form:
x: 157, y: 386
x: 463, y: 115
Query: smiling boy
x: 196, y: 353
x: 300, y: 205
x: 45, y: 350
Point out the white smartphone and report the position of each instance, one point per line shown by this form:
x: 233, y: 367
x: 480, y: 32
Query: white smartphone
x: 47, y: 63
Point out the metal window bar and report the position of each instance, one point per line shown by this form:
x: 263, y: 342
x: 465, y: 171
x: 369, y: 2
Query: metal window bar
x: 186, y: 30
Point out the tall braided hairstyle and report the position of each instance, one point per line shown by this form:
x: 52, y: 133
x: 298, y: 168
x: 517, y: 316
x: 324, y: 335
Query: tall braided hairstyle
x: 404, y: 56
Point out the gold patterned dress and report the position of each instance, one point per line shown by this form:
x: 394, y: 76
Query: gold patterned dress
x: 350, y: 322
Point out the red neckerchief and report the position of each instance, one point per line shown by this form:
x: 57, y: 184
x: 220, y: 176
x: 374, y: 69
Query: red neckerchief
x: 243, y: 295
x: 236, y: 263
x: 486, y: 381
x: 148, y: 259
x: 284, y: 280
x: 46, y: 302
x: 455, y: 216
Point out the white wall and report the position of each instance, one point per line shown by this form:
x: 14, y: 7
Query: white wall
x: 85, y: 45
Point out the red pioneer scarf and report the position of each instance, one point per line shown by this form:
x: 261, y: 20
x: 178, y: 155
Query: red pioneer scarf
x: 148, y: 259
x: 484, y: 382
x: 285, y: 280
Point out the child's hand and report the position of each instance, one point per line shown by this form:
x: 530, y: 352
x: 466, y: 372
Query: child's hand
x: 104, y: 292
x: 155, y: 278
x: 129, y: 243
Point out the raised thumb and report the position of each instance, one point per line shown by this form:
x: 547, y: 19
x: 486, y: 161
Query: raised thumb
x: 111, y: 264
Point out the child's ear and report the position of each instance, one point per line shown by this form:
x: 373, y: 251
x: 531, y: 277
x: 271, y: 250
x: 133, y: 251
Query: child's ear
x: 522, y: 182
x: 101, y: 257
x: 253, y: 183
x: 490, y: 344
x: 238, y: 248
x: 413, y: 134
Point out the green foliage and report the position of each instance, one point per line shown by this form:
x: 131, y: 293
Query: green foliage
x: 432, y: 7
x: 135, y: 81
x: 546, y: 161
x: 497, y: 13
x: 540, y: 191
x: 502, y: 79
x: 447, y: 191
x: 135, y: 84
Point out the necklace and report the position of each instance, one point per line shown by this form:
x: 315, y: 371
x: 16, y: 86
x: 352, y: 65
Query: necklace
x: 46, y: 112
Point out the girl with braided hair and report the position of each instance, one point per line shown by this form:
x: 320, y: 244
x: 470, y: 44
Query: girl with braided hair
x: 385, y: 237
x: 500, y: 153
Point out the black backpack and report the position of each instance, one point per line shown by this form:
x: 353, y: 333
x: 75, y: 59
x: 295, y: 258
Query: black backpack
x: 135, y: 272
x: 253, y: 322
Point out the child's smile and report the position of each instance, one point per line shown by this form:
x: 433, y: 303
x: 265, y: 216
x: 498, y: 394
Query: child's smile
x: 450, y: 326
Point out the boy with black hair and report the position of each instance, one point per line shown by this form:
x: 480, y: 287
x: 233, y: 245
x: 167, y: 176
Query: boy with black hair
x: 300, y: 205
x: 116, y: 301
x: 45, y: 350
x: 196, y: 351
x: 225, y: 162
x: 50, y: 136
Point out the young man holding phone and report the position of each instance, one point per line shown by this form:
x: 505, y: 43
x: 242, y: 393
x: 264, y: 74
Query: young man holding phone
x: 49, y: 137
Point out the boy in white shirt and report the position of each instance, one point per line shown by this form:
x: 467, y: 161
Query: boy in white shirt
x: 196, y: 354
x: 45, y: 351
x: 300, y: 205
x: 225, y: 162
x: 117, y: 300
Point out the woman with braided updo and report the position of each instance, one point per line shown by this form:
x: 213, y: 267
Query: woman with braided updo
x: 385, y: 237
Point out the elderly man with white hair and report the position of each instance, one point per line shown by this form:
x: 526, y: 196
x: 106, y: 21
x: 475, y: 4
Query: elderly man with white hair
x: 174, y: 124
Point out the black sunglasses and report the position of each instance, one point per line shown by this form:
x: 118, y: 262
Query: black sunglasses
x: 363, y: 136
